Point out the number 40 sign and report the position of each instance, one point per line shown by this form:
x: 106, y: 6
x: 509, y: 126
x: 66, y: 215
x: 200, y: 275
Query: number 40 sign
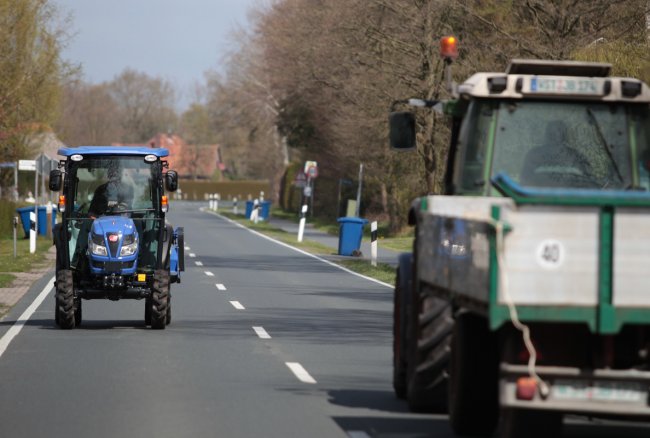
x: 550, y: 254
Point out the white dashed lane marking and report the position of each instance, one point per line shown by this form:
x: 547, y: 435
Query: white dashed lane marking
x: 198, y: 263
x: 261, y: 333
x: 209, y: 274
x: 220, y: 286
x: 192, y: 255
x: 300, y: 372
x: 237, y: 305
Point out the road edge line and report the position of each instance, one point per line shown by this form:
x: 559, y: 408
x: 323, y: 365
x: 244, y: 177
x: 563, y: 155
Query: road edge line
x: 22, y: 319
x: 286, y: 245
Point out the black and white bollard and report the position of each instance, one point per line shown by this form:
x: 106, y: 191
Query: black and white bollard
x: 32, y: 232
x: 15, y: 222
x: 255, y: 211
x: 217, y: 198
x: 210, y: 203
x: 373, y: 243
x: 234, y: 206
x: 303, y: 218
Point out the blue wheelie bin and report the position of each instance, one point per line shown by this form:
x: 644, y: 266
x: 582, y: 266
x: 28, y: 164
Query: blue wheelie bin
x: 23, y: 212
x: 350, y: 234
x: 265, y: 211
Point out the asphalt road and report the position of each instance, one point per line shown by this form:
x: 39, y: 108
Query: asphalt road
x: 264, y: 342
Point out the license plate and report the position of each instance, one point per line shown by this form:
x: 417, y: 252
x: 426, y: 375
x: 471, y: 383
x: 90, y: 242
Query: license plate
x: 561, y: 85
x: 599, y: 391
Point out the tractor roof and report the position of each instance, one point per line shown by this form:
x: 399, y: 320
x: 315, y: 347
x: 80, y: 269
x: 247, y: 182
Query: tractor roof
x: 114, y: 150
x: 555, y: 80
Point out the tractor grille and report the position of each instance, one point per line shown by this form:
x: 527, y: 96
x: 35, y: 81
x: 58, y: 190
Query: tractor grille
x: 113, y: 266
x: 113, y: 243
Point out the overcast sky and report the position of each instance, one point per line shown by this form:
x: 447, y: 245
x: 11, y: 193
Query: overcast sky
x: 177, y: 40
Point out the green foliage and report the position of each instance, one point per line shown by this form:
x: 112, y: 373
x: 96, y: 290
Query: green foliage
x: 289, y: 195
x: 7, y: 213
x: 31, y: 71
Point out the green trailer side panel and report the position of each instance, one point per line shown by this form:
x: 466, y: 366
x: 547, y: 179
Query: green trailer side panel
x: 606, y: 315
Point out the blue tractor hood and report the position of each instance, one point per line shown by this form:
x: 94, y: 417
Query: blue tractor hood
x: 113, y: 242
x: 114, y: 225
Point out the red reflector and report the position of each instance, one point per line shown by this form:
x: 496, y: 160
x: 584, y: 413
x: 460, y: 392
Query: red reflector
x: 113, y: 238
x: 526, y: 388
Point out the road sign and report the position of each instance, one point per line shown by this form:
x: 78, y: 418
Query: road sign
x: 312, y: 172
x: 27, y: 165
x: 310, y: 165
x: 300, y: 180
x: 45, y: 164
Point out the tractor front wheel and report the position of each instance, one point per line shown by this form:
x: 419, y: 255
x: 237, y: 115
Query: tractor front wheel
x: 65, y: 303
x: 159, y: 299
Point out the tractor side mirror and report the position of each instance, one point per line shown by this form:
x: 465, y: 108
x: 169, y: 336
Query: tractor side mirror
x: 56, y: 178
x: 402, y: 131
x: 171, y: 180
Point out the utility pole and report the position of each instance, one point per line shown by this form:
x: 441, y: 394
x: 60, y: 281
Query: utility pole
x: 359, y: 188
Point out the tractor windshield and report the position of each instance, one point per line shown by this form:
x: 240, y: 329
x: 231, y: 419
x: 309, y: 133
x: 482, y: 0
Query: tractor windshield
x: 556, y: 144
x: 101, y: 186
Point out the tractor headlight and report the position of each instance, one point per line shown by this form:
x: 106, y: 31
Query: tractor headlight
x: 96, y: 245
x: 129, y: 245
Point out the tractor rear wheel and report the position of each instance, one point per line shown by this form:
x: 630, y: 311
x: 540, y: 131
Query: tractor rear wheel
x: 474, y: 377
x: 159, y: 299
x: 400, y: 314
x: 64, y: 294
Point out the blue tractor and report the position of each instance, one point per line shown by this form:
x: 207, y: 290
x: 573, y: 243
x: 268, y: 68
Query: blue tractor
x: 113, y: 242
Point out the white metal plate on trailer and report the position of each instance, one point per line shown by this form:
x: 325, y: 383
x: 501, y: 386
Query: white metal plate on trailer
x: 631, y: 392
x: 551, y: 255
x: 631, y: 257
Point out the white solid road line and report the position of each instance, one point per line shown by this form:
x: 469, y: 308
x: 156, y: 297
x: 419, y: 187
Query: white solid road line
x: 187, y: 248
x: 237, y: 305
x: 305, y: 252
x: 209, y: 274
x: 20, y: 323
x: 300, y: 372
x: 262, y: 333
x: 198, y: 263
x: 192, y: 255
x: 220, y: 286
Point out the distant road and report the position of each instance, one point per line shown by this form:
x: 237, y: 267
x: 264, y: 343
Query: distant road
x: 264, y: 342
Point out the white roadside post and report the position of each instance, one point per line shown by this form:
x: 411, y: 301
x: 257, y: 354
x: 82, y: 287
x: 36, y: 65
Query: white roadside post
x: 210, y: 202
x: 32, y: 232
x: 234, y: 206
x: 255, y: 211
x: 373, y: 243
x: 217, y: 198
x: 301, y: 227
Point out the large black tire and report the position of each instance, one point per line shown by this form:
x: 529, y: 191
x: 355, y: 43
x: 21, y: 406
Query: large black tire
x: 400, y: 313
x: 428, y: 385
x: 77, y: 312
x: 428, y: 327
x: 524, y: 423
x: 159, y: 299
x: 65, y: 309
x: 474, y: 377
x: 147, y: 311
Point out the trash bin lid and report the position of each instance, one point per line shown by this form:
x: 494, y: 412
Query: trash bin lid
x: 352, y: 220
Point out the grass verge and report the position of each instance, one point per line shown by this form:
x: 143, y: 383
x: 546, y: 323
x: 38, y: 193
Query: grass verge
x: 6, y: 280
x: 382, y: 272
x: 24, y: 260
